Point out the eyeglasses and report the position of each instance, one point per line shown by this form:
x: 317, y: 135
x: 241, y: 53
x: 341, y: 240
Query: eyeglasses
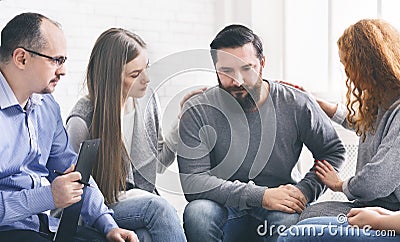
x: 57, y: 60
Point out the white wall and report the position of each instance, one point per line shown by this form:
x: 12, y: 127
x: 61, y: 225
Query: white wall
x: 166, y: 26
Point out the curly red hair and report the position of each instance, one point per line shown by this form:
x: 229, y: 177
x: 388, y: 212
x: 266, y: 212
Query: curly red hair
x: 370, y: 53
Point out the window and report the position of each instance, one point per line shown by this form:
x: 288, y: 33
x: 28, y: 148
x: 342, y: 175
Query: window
x: 301, y: 36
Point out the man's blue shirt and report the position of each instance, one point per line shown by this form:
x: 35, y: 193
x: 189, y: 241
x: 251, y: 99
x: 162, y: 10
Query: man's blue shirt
x: 34, y: 143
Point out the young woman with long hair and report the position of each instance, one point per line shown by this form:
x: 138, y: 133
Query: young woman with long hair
x: 121, y: 111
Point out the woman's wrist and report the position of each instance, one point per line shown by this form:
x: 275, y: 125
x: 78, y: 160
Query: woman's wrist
x: 338, y: 187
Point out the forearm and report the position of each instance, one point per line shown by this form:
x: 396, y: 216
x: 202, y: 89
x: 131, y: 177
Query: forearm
x: 379, y: 178
x: 105, y: 223
x: 332, y: 151
x: 389, y: 222
x: 230, y: 194
x: 95, y: 212
x: 335, y: 111
x: 165, y: 158
x: 18, y: 205
x: 338, y: 187
x: 327, y: 107
x: 320, y: 137
x: 171, y: 138
x: 167, y: 148
x: 363, y: 188
x: 310, y: 186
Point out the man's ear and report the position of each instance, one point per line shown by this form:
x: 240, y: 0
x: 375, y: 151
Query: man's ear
x: 19, y: 58
x: 263, y: 61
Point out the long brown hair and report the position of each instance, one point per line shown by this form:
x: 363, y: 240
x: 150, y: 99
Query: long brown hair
x: 370, y: 52
x: 112, y: 50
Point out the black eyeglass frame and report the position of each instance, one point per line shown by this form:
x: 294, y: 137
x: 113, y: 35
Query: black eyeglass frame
x: 60, y: 60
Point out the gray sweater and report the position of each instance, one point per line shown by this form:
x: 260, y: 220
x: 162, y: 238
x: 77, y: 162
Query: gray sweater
x: 231, y: 157
x: 149, y: 151
x: 377, y: 178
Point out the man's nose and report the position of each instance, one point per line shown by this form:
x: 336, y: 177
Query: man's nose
x: 237, y: 79
x: 61, y: 71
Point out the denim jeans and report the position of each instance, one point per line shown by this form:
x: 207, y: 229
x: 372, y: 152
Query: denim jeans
x: 83, y: 234
x: 331, y: 229
x: 205, y: 220
x: 334, y: 208
x: 151, y: 217
x: 327, y: 209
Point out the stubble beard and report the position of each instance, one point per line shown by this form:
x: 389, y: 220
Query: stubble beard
x: 249, y: 100
x: 49, y: 88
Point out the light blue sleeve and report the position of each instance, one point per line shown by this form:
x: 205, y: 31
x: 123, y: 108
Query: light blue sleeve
x: 18, y: 205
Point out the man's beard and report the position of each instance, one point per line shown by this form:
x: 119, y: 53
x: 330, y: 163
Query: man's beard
x: 48, y: 89
x: 249, y: 100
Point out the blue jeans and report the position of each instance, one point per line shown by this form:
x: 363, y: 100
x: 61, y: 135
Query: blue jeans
x: 330, y: 229
x: 83, y: 234
x: 205, y: 220
x: 151, y: 217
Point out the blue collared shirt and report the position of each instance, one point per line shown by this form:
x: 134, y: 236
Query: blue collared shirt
x: 33, y: 142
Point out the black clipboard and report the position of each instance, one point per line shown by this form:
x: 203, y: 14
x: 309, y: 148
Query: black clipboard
x: 70, y: 215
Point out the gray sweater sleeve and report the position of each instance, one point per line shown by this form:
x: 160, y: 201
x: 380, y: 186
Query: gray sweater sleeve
x: 194, y: 168
x: 340, y: 115
x: 379, y: 177
x: 167, y: 147
x: 318, y: 134
x: 77, y: 132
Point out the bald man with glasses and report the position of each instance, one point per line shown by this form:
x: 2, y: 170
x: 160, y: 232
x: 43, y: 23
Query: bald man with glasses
x: 34, y: 143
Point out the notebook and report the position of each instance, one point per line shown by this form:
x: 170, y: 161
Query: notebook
x: 70, y: 215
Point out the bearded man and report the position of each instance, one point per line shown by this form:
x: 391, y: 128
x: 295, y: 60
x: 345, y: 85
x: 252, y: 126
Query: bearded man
x: 239, y: 142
